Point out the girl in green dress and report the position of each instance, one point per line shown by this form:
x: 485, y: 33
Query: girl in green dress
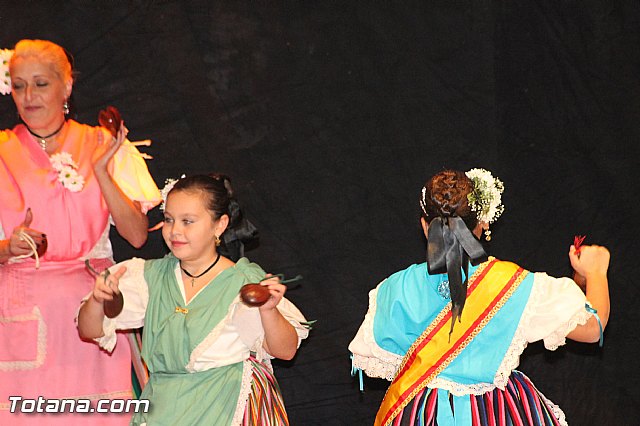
x: 208, y: 354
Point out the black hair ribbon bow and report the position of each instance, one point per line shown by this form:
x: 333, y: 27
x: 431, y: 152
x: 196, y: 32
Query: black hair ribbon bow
x: 450, y: 247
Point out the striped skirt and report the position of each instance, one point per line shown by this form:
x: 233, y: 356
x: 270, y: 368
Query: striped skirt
x: 519, y: 404
x: 265, y: 406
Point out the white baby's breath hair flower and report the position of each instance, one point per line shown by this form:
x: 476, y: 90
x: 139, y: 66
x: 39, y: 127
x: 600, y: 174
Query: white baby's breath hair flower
x: 5, y: 78
x: 67, y: 170
x: 486, y: 197
x: 168, y: 186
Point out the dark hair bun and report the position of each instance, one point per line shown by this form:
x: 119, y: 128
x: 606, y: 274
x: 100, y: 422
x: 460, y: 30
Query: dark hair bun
x: 241, y: 234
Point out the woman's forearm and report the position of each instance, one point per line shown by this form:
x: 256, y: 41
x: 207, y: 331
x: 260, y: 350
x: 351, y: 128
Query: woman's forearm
x: 129, y: 220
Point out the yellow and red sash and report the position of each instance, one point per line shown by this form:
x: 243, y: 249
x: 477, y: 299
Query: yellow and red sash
x: 434, y: 350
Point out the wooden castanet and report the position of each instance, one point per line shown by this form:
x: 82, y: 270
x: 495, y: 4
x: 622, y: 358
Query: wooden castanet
x: 113, y: 307
x: 254, y: 295
x: 110, y: 119
x: 41, y: 248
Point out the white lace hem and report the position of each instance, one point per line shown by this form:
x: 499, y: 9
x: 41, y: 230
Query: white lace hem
x: 245, y: 391
x: 458, y: 389
x: 373, y: 367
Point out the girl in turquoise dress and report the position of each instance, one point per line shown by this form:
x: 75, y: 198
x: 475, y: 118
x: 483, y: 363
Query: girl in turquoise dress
x: 208, y: 354
x: 449, y: 333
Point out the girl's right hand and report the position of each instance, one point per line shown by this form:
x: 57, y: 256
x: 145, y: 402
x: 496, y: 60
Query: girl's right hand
x: 107, y: 285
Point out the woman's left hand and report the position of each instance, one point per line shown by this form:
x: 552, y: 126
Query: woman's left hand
x: 276, y: 290
x: 107, y: 149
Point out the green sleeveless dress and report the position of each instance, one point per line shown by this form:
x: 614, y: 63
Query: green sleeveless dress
x: 172, y: 331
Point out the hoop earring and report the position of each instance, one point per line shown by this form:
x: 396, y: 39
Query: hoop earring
x: 65, y: 107
x: 487, y: 234
x: 218, y: 241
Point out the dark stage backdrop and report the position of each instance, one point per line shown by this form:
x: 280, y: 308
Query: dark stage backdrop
x: 329, y: 116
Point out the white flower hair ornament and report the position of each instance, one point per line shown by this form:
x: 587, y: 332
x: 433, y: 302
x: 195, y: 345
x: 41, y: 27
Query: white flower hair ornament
x: 486, y: 198
x: 5, y: 78
x: 168, y: 186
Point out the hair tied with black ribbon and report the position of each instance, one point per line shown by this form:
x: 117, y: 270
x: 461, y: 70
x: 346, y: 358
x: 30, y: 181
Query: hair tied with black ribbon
x: 450, y: 247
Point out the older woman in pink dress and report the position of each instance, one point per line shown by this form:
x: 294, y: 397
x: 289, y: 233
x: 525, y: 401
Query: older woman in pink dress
x: 61, y: 185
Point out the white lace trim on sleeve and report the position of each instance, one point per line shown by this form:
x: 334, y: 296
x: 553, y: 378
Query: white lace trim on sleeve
x: 108, y: 341
x: 382, y: 364
x: 559, y: 336
x: 556, y: 306
x: 520, y: 342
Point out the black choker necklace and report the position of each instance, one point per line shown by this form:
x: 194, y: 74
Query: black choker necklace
x: 193, y: 277
x: 42, y: 140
